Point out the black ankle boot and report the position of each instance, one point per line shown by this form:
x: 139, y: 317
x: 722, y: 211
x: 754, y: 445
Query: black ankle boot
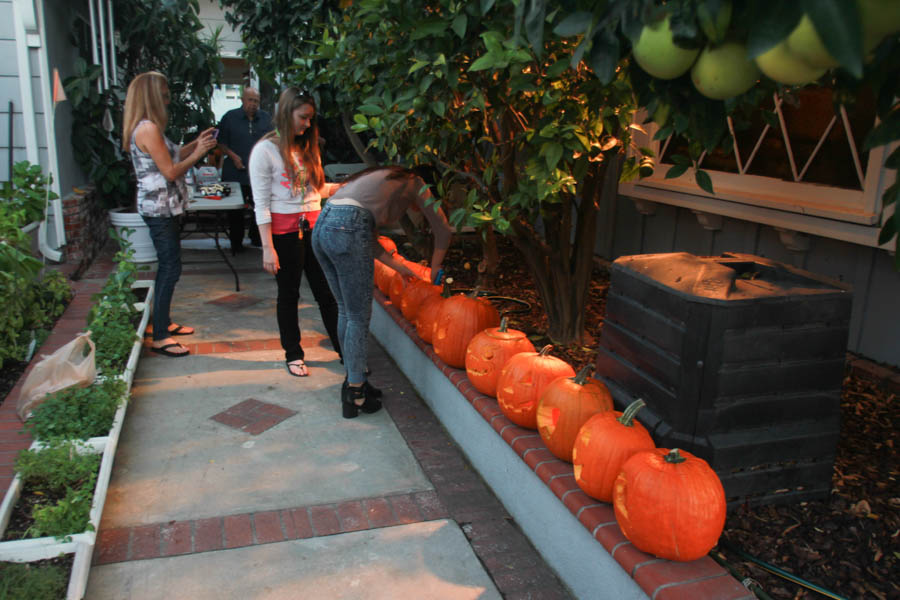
x: 350, y: 404
x: 372, y: 391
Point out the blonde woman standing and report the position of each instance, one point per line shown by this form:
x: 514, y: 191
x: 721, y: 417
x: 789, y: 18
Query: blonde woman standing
x: 160, y: 165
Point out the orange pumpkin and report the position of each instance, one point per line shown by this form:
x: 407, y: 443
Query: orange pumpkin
x: 522, y: 381
x: 396, y: 286
x: 388, y: 244
x: 602, y: 446
x: 488, y: 352
x: 459, y: 319
x: 383, y: 278
x: 565, y: 405
x: 428, y: 312
x: 416, y: 293
x: 670, y: 504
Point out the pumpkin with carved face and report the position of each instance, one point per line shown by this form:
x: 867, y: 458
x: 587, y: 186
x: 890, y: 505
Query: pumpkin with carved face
x: 522, y: 381
x: 488, y: 352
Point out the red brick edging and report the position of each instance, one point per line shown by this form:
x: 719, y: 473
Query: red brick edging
x: 174, y: 538
x: 660, y: 579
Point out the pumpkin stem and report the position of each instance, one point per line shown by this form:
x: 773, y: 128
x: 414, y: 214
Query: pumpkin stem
x: 582, y: 376
x: 627, y: 418
x: 445, y: 291
x: 545, y: 350
x: 674, y: 457
x: 504, y: 324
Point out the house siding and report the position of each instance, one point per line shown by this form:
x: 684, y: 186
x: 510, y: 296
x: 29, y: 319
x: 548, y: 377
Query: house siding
x: 874, y: 329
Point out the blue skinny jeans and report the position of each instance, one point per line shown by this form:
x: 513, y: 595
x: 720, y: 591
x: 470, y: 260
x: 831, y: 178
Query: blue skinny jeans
x: 165, y: 236
x: 342, y: 241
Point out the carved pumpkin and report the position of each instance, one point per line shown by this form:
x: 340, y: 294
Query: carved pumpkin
x: 428, y: 312
x: 565, y: 405
x: 522, y: 381
x: 388, y: 244
x: 396, y: 286
x: 670, y: 503
x: 459, y: 319
x: 416, y: 293
x: 383, y: 278
x: 488, y: 352
x: 602, y: 446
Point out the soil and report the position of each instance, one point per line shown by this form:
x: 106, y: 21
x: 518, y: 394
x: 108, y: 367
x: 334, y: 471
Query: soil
x: 848, y: 544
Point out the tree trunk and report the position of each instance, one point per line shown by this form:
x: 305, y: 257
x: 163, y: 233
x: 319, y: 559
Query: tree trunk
x: 490, y: 261
x: 561, y: 260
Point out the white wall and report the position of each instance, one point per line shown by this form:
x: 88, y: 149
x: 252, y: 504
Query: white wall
x: 213, y: 16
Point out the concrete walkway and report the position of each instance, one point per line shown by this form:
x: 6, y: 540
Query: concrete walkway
x: 233, y: 479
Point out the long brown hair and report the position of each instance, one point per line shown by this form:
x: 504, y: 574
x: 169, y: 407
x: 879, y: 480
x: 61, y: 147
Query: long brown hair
x: 288, y: 141
x: 146, y: 99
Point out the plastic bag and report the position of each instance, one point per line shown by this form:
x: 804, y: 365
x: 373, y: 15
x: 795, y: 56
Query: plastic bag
x: 70, y: 366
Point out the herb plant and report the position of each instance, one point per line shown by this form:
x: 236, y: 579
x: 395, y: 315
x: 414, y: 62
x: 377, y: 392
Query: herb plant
x: 78, y: 413
x: 24, y: 580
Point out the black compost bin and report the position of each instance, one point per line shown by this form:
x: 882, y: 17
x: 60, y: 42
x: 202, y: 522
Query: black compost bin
x: 740, y: 360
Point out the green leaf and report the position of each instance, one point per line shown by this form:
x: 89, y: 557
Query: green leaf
x: 439, y: 108
x: 888, y: 231
x: 891, y: 195
x: 486, y: 6
x: 416, y: 66
x: 483, y: 63
x: 893, y: 161
x: 552, y: 152
x: 837, y: 23
x: 680, y: 159
x: 459, y: 25
x: 676, y: 171
x: 574, y: 23
x: 703, y: 180
x: 771, y: 23
x: 557, y: 68
x: 534, y: 25
x: 371, y: 109
x: 361, y: 119
x: 604, y: 56
x: 430, y: 28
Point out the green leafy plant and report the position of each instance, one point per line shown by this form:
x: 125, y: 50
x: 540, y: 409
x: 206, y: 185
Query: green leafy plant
x: 27, y: 581
x: 111, y: 318
x: 27, y: 191
x: 32, y: 298
x: 78, y: 413
x: 70, y: 515
x: 59, y: 465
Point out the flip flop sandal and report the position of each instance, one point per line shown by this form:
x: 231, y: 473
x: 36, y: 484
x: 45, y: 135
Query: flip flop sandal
x: 164, y: 350
x: 299, y: 364
x: 179, y: 330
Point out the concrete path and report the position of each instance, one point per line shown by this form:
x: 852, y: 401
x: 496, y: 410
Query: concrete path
x: 233, y: 479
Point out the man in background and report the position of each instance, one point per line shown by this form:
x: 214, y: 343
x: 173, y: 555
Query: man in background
x: 239, y: 130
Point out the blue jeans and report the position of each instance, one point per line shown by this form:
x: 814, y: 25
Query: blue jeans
x: 342, y: 241
x: 164, y: 233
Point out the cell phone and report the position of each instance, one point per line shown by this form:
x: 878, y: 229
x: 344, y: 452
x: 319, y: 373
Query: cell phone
x: 215, y: 133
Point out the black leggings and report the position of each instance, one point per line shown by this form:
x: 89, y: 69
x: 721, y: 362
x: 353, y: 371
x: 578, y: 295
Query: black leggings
x: 295, y: 256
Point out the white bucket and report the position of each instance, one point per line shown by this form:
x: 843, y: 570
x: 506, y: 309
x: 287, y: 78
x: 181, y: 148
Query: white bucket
x: 140, y: 240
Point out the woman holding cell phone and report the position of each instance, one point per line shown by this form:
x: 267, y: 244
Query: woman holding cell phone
x: 160, y: 166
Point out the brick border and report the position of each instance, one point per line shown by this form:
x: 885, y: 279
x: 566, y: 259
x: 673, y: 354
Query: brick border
x: 174, y: 538
x: 660, y: 579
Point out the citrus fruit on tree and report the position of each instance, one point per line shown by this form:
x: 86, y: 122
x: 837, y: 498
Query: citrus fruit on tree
x: 724, y: 71
x: 657, y: 54
x: 805, y: 43
x: 783, y: 66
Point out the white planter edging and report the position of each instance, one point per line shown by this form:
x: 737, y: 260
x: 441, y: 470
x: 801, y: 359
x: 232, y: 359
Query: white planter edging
x: 81, y: 544
x: 580, y: 561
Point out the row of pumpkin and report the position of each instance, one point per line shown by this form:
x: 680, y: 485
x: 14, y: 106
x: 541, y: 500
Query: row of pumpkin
x: 668, y: 503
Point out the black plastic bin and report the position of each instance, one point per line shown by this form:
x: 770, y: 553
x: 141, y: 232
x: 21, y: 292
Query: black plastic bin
x: 740, y: 360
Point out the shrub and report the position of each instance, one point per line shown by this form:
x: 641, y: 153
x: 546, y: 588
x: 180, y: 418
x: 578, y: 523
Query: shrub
x: 24, y: 580
x: 78, y: 413
x: 56, y: 466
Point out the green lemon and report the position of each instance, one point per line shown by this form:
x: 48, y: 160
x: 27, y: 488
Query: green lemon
x: 724, y: 71
x: 782, y: 65
x: 806, y: 44
x: 657, y: 54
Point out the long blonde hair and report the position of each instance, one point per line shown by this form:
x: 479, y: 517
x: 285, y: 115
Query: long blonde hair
x: 145, y: 100
x: 307, y: 144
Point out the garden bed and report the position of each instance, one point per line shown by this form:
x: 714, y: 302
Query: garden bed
x: 81, y: 544
x: 847, y: 544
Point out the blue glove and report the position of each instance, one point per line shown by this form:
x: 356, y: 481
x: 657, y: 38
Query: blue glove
x: 437, y: 278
